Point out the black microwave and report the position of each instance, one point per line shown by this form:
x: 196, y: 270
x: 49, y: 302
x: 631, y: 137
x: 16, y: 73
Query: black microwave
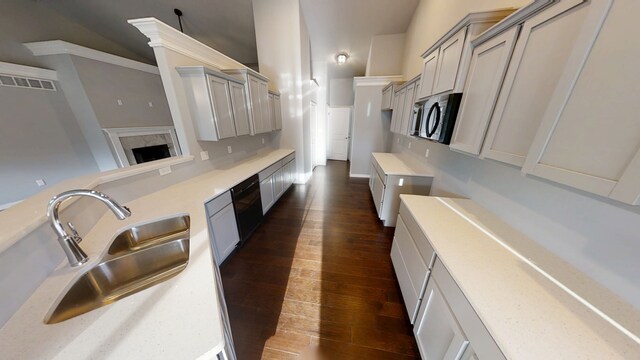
x: 435, y: 118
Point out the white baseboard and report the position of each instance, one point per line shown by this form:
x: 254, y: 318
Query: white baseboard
x: 365, y: 176
x: 8, y: 205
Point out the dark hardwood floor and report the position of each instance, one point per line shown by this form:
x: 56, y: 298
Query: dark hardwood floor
x: 316, y: 281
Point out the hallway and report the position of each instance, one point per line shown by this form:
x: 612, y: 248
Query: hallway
x: 316, y: 279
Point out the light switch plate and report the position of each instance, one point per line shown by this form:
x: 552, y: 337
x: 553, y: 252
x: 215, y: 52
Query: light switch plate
x: 229, y: 149
x: 41, y: 182
x: 262, y: 141
x: 119, y: 102
x: 204, y: 155
x: 426, y: 153
x: 150, y: 104
x: 165, y: 170
x: 409, y: 146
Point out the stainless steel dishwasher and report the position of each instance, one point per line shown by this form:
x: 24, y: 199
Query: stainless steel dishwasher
x: 247, y: 206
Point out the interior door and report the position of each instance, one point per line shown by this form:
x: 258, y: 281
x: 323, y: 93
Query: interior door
x: 339, y: 138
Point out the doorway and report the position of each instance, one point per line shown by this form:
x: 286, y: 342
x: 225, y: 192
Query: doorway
x: 338, y: 139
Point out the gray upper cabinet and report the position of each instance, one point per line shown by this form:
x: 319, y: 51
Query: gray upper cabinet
x: 275, y: 111
x: 240, y: 110
x: 428, y: 74
x: 488, y: 66
x: 215, y: 112
x: 589, y: 136
x: 448, y: 62
x: 539, y: 60
x: 256, y: 92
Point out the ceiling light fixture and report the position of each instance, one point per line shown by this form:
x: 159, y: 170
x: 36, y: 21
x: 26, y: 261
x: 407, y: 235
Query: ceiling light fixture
x: 341, y: 58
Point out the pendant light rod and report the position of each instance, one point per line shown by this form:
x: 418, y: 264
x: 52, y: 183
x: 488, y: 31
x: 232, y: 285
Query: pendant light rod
x: 178, y: 12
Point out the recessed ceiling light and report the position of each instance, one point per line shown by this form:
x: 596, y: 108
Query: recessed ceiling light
x: 341, y: 58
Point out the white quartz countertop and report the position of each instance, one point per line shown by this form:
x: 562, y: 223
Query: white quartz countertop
x: 527, y: 311
x: 394, y: 164
x: 176, y: 319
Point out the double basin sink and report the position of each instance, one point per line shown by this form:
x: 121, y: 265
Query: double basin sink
x: 138, y: 258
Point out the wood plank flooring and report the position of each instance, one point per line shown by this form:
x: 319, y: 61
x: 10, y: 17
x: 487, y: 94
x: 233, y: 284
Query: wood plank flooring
x: 316, y: 281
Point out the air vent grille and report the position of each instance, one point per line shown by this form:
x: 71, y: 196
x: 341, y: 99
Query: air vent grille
x: 17, y: 81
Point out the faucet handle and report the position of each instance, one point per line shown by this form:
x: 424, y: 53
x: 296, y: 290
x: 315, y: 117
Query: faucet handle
x: 75, y: 236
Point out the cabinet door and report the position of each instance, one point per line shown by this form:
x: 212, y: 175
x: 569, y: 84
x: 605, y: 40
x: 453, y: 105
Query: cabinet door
x: 267, y: 123
x: 400, y: 115
x: 378, y: 193
x: 372, y: 174
x: 240, y: 110
x: 256, y: 107
x: 272, y: 111
x: 488, y: 66
x: 396, y: 110
x: 539, y: 58
x: 428, y: 74
x: 278, y: 183
x: 407, y: 112
x: 267, y: 195
x: 293, y: 172
x: 411, y: 269
x: 225, y: 232
x: 589, y: 137
x: 221, y: 103
x: 277, y: 109
x: 386, y: 102
x: 448, y: 63
x: 437, y: 331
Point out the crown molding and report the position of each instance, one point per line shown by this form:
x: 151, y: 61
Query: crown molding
x: 163, y: 35
x: 28, y: 71
x: 375, y: 80
x: 59, y: 47
x: 471, y: 18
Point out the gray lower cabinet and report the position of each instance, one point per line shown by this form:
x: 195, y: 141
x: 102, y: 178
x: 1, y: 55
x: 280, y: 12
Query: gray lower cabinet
x: 275, y: 180
x: 222, y: 226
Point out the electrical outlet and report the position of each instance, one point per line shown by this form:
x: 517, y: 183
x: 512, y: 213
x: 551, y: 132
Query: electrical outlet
x: 119, y: 102
x: 262, y: 141
x: 204, y: 155
x: 409, y: 146
x: 229, y: 149
x: 41, y: 182
x: 397, y: 140
x: 150, y: 104
x: 426, y: 153
x: 165, y: 170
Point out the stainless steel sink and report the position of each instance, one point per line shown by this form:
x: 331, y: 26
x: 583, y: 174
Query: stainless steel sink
x: 146, y: 235
x: 143, y: 256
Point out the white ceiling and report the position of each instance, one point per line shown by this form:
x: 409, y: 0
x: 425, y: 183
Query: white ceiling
x: 226, y: 25
x: 348, y: 25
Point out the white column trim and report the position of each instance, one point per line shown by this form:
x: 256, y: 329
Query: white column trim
x: 163, y: 35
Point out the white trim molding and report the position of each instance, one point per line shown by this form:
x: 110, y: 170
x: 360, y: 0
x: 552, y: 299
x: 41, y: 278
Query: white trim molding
x: 8, y: 205
x: 59, y: 47
x: 375, y: 80
x: 115, y: 134
x: 362, y: 176
x: 163, y: 35
x: 28, y: 71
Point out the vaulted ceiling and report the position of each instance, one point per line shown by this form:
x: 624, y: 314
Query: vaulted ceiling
x: 227, y: 25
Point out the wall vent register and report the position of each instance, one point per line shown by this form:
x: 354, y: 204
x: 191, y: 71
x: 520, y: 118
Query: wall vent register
x: 23, y: 82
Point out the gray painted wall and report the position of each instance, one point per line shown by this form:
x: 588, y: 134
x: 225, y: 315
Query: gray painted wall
x: 596, y: 235
x: 27, y: 20
x: 341, y: 92
x: 106, y: 83
x: 370, y: 128
x: 39, y: 139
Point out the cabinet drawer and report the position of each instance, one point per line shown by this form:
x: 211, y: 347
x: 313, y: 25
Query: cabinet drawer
x: 289, y: 158
x: 410, y: 267
x: 420, y: 239
x: 270, y: 170
x: 218, y: 203
x: 474, y: 330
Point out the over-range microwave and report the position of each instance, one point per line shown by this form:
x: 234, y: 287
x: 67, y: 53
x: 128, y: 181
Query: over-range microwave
x: 435, y: 118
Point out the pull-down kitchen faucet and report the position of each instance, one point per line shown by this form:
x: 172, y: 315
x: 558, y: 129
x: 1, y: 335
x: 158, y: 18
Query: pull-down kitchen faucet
x: 69, y: 243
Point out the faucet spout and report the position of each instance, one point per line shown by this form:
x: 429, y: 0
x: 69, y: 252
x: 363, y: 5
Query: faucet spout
x: 69, y: 243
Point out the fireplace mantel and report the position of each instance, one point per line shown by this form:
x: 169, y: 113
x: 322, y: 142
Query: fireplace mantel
x: 121, y: 150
